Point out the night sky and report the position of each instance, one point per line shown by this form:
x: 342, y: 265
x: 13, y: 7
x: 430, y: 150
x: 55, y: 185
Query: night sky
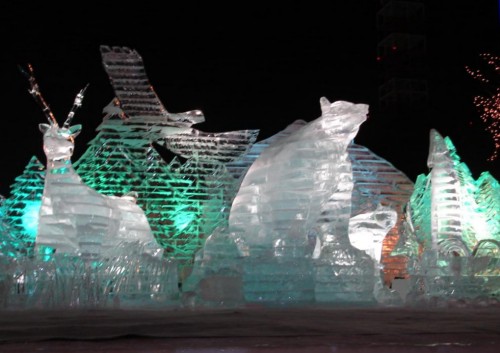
x: 245, y: 66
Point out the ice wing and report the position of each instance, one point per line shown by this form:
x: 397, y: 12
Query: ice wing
x: 136, y: 96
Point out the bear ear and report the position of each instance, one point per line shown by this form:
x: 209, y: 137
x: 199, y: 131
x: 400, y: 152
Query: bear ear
x: 325, y: 105
x: 75, y: 130
x: 43, y: 127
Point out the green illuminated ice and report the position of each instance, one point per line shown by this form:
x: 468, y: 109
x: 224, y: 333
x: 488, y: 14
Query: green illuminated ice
x: 451, y: 231
x: 304, y: 217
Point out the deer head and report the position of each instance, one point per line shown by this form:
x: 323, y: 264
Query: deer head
x: 58, y: 142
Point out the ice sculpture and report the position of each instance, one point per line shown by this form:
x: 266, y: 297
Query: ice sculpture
x: 217, y: 275
x: 122, y: 159
x: 207, y: 155
x: 301, y: 183
x: 314, y: 217
x: 198, y: 192
x: 23, y: 205
x: 453, y: 220
x: 74, y: 218
x: 9, y: 245
x: 135, y: 95
x: 294, y: 177
x: 9, y: 250
x: 277, y: 265
x: 126, y: 277
x: 368, y: 230
x: 377, y: 182
x: 446, y: 200
x: 239, y: 167
x: 448, y: 209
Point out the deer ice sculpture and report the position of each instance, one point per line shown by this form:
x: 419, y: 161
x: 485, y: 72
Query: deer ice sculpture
x: 74, y: 218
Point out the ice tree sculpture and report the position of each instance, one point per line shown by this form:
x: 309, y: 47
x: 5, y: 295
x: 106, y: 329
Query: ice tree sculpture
x: 120, y: 160
x: 449, y: 211
x: 454, y: 220
x: 74, y: 218
x: 487, y: 198
x: 9, y: 245
x: 8, y: 251
x: 23, y: 205
x: 217, y: 275
x: 207, y: 155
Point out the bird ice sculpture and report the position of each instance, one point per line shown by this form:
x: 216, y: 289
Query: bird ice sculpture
x: 136, y: 97
x: 200, y: 189
x: 140, y: 108
x: 74, y: 218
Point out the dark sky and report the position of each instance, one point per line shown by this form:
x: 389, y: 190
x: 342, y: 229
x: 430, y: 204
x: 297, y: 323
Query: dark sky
x: 247, y: 66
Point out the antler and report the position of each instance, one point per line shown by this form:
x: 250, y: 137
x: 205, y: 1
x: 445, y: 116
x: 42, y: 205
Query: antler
x: 76, y: 104
x: 35, y: 92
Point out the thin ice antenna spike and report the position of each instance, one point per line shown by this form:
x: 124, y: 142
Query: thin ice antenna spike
x: 37, y: 95
x: 76, y: 104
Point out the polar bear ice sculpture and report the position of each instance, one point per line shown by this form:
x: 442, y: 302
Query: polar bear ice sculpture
x: 287, y: 187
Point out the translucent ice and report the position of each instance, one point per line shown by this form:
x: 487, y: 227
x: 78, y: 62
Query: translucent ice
x: 378, y: 182
x: 453, y: 220
x: 199, y: 191
x: 368, y: 230
x: 136, y: 96
x: 299, y: 185
x: 306, y: 216
x: 123, y: 277
x: 74, y: 218
x: 449, y: 211
x: 23, y: 205
x: 289, y: 222
x: 294, y: 177
x: 216, y: 279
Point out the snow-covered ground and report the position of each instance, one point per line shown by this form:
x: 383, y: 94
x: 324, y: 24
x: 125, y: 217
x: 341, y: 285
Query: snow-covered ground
x: 258, y: 329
